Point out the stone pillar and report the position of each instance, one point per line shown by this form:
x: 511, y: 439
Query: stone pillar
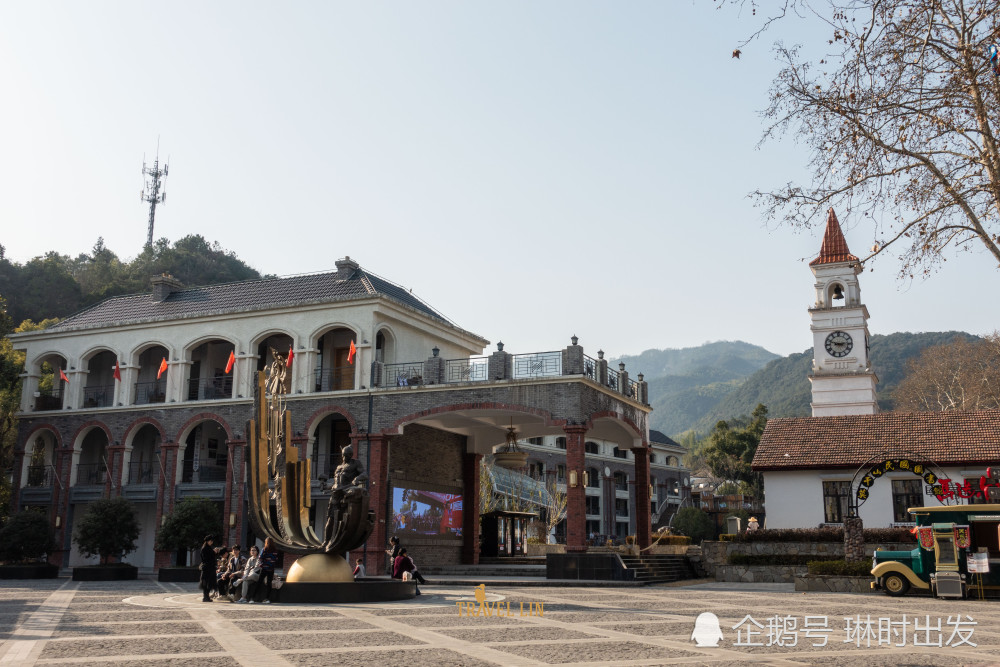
x: 602, y: 368
x: 576, y: 499
x: 643, y: 392
x: 177, y: 376
x: 500, y: 364
x: 165, y: 489
x: 471, y: 509
x: 643, y: 524
x: 60, y: 507
x: 434, y: 368
x: 572, y: 359
x: 124, y: 392
x: 623, y: 386
x: 29, y: 385
x: 73, y: 390
x: 378, y: 480
x: 854, y: 539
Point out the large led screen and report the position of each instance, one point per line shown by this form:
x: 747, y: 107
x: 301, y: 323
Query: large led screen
x: 428, y: 513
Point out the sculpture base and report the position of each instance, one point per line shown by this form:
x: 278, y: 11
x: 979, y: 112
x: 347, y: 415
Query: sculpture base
x: 361, y: 591
x: 320, y: 568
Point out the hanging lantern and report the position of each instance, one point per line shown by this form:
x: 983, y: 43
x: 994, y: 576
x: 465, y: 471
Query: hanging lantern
x: 510, y: 455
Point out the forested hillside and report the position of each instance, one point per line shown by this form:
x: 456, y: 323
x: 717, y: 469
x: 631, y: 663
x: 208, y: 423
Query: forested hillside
x: 54, y: 285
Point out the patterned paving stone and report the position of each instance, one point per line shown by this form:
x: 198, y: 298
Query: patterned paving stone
x: 516, y: 634
x: 334, y: 640
x: 123, y: 647
x: 300, y: 625
x: 84, y: 629
x: 607, y: 651
x: 435, y: 657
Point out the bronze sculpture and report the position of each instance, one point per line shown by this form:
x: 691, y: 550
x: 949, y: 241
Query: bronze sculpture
x: 273, y: 458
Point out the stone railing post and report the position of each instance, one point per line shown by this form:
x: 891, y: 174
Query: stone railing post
x: 643, y: 391
x: 623, y: 385
x: 572, y: 359
x: 434, y: 368
x: 602, y: 368
x: 501, y: 364
x: 854, y: 539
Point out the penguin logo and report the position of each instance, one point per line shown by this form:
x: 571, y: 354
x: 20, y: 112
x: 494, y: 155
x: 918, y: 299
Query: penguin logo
x: 706, y: 630
x: 481, y: 595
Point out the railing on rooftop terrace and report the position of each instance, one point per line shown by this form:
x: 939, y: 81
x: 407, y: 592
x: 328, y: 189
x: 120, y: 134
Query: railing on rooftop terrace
x: 473, y: 369
x: 207, y: 389
x: 503, y: 366
x: 537, y: 364
x: 48, y: 399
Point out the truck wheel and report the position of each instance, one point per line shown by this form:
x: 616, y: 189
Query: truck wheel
x: 895, y: 584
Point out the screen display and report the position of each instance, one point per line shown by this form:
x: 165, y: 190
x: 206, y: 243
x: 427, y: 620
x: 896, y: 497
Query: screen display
x: 428, y: 513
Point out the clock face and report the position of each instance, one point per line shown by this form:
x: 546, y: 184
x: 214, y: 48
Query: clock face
x: 839, y: 344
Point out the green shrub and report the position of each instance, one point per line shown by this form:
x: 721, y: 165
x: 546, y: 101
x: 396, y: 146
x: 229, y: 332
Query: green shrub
x: 841, y: 568
x: 187, y: 525
x: 108, y: 529
x: 825, y: 534
x: 693, y: 523
x: 535, y: 540
x: 883, y: 535
x: 727, y: 537
x: 27, y: 536
x: 774, y: 559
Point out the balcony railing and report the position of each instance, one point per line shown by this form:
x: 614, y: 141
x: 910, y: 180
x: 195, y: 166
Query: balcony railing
x: 39, y: 476
x: 89, y: 474
x: 334, y: 379
x: 150, y: 392
x: 203, y: 474
x: 143, y: 472
x: 473, y: 369
x: 537, y: 364
x: 98, y: 397
x: 207, y: 389
x: 613, y: 377
x: 590, y: 367
x: 632, y: 391
x: 403, y: 375
x: 48, y: 399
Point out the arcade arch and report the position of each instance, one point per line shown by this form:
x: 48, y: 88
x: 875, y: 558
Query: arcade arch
x: 148, y: 388
x: 141, y: 456
x: 330, y: 435
x: 207, y: 378
x: 90, y: 458
x: 333, y: 370
x: 206, y: 454
x: 51, y: 388
x: 39, y: 458
x: 99, y: 391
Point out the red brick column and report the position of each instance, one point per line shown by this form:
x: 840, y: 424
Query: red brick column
x: 166, y: 481
x: 378, y: 478
x: 116, y: 464
x: 235, y: 482
x: 60, y: 507
x: 470, y: 508
x: 643, y: 518
x: 576, y: 498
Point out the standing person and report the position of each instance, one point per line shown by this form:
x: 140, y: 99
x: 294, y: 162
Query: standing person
x: 359, y: 569
x: 393, y: 551
x: 268, y: 561
x: 208, y: 566
x: 404, y: 563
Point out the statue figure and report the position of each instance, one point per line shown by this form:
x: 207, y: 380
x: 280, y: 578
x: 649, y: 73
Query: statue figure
x: 347, y: 489
x: 279, y: 381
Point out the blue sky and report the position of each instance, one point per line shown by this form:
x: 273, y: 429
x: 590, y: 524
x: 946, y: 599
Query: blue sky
x: 532, y: 170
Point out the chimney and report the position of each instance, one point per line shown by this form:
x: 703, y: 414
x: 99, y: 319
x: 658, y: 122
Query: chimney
x: 163, y: 286
x: 346, y: 268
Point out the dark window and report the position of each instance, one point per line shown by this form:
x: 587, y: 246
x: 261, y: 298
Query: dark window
x: 976, y: 496
x: 561, y: 443
x: 621, y: 481
x: 621, y: 531
x: 593, y: 478
x: 906, y: 493
x: 621, y: 507
x: 591, y: 447
x: 594, y: 505
x: 652, y: 458
x: 536, y: 441
x: 620, y: 453
x: 835, y: 495
x: 593, y: 527
x: 560, y: 472
x: 536, y: 470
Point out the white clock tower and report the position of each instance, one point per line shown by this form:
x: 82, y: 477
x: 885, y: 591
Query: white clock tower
x: 843, y: 382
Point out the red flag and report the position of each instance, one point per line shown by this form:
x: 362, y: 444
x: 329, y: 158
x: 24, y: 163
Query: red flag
x: 232, y: 360
x: 62, y: 376
x: 350, y: 355
x: 118, y: 371
x: 163, y: 368
x: 291, y: 355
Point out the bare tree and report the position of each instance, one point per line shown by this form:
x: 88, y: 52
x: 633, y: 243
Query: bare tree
x: 900, y: 118
x: 555, y: 507
x: 961, y: 375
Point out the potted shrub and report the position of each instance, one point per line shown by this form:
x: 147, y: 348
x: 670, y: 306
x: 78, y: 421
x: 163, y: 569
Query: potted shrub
x: 109, y: 529
x: 25, y: 541
x: 184, y: 529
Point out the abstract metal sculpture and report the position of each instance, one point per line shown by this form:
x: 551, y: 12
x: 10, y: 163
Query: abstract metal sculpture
x: 273, y: 459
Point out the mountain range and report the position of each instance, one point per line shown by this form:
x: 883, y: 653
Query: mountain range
x: 691, y: 389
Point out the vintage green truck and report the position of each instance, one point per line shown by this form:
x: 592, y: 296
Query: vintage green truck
x: 955, y: 544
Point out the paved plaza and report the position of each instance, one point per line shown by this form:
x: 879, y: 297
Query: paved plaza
x: 145, y: 622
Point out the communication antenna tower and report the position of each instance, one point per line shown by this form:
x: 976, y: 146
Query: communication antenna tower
x: 152, y: 190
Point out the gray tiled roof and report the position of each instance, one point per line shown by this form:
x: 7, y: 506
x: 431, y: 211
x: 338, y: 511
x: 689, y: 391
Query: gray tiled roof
x: 245, y: 296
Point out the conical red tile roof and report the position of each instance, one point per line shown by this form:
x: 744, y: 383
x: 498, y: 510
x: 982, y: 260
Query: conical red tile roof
x: 834, y: 245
